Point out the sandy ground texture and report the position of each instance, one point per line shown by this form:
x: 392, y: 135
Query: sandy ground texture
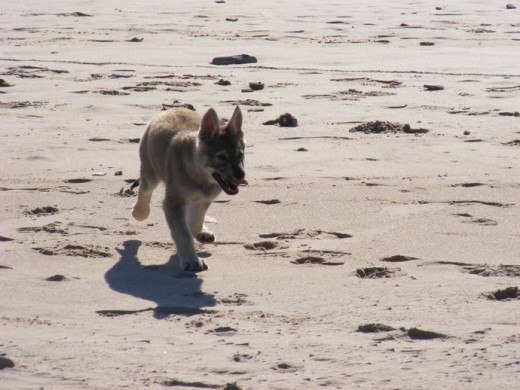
x: 386, y: 257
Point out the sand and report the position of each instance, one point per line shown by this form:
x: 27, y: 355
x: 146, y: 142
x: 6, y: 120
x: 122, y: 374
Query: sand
x: 406, y: 235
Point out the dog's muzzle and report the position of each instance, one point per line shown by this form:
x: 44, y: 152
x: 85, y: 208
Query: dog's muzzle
x: 229, y: 187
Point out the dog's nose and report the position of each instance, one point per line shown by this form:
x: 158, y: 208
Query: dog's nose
x: 239, y: 173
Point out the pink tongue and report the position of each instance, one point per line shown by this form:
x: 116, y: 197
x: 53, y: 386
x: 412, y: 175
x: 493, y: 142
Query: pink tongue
x: 243, y: 183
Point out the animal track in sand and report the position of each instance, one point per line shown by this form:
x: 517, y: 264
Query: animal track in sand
x: 303, y: 234
x: 483, y: 221
x: 264, y: 246
x: 30, y: 71
x: 315, y: 260
x: 376, y: 272
x: 350, y: 94
x: 90, y: 251
x: 45, y: 210
x: 502, y: 270
x: 468, y: 202
x: 321, y: 257
x: 157, y: 244
x: 236, y: 299
x: 248, y: 102
x: 22, y: 104
x: 224, y: 331
x: 49, y: 228
x: 402, y: 332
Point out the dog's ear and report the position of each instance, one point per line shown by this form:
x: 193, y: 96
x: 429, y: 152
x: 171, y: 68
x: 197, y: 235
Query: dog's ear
x: 235, y: 123
x: 209, y: 125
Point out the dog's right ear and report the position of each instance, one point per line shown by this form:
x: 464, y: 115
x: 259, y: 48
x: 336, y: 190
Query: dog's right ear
x: 209, y: 126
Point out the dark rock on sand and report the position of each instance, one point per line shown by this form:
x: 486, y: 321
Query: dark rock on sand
x: 419, y: 334
x: 234, y: 60
x: 256, y: 86
x: 5, y: 362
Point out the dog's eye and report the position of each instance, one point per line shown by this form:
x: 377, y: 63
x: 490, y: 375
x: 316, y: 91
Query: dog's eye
x: 221, y: 157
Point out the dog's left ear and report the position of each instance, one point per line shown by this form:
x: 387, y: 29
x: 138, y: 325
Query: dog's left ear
x: 235, y: 123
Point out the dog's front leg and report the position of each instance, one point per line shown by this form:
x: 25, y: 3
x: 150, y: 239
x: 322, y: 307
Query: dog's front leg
x: 175, y: 212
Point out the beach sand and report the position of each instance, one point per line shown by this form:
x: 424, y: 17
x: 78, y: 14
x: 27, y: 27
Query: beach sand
x: 409, y: 231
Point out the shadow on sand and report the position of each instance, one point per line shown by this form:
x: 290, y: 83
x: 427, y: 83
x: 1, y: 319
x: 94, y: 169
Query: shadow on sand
x: 175, y: 292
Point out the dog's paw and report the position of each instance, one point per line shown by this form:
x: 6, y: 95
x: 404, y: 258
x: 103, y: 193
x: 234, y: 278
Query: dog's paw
x: 206, y: 237
x: 195, y: 265
x: 140, y: 213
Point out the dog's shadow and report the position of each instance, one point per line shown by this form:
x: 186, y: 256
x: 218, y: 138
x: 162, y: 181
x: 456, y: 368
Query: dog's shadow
x: 173, y: 291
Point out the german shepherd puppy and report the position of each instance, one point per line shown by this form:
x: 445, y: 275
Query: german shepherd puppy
x: 196, y: 159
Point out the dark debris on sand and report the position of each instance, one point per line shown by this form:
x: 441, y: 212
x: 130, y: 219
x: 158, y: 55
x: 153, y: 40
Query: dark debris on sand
x: 374, y: 328
x: 284, y: 120
x: 504, y: 294
x: 381, y: 127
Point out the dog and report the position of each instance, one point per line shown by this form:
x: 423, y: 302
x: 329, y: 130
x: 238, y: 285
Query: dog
x: 196, y: 158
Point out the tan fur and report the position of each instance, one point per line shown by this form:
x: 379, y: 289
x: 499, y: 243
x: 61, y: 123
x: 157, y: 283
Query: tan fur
x: 186, y: 152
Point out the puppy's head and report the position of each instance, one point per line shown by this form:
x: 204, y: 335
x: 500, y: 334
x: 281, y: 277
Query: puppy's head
x: 223, y: 150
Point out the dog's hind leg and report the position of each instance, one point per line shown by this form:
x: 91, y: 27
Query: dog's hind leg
x: 195, y: 219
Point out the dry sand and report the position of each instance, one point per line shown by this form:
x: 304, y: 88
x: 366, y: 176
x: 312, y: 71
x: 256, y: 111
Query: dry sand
x: 298, y: 267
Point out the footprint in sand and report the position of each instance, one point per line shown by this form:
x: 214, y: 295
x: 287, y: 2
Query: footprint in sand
x: 90, y: 251
x: 502, y: 270
x: 224, y: 331
x: 49, y: 228
x: 321, y: 257
x: 303, y: 234
x: 264, y: 246
x: 45, y: 210
x: 376, y: 272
